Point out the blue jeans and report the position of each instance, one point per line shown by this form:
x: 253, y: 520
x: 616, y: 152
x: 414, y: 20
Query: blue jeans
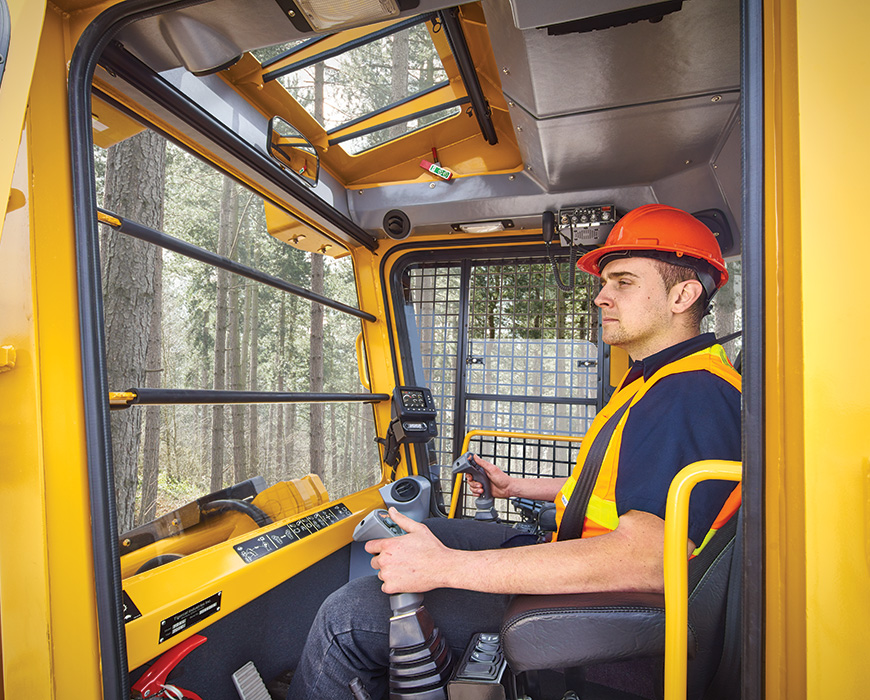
x: 350, y: 635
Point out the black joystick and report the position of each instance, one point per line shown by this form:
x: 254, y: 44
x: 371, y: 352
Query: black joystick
x: 420, y: 658
x: 485, y: 504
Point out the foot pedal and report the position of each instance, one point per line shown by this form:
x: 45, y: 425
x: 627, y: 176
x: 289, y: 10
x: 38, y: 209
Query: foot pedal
x: 249, y: 684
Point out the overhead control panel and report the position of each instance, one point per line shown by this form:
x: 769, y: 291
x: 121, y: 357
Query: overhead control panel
x: 585, y: 225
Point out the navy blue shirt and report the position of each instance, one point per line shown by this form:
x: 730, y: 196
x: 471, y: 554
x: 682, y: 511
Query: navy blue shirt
x: 683, y: 418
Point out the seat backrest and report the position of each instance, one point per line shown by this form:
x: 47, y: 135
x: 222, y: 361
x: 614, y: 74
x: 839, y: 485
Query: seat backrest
x: 714, y: 608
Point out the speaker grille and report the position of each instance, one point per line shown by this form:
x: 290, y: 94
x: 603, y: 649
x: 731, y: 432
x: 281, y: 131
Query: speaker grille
x: 397, y: 225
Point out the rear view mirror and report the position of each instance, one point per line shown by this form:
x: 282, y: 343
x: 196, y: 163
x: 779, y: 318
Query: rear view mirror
x: 293, y: 151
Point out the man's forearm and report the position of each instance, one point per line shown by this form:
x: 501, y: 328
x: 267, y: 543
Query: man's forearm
x: 627, y: 559
x: 542, y: 489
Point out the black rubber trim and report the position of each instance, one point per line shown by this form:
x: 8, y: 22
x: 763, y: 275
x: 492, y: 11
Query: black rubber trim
x: 399, y: 120
x: 387, y: 108
x: 465, y: 63
x: 165, y: 397
x: 347, y: 46
x: 124, y: 65
x: 294, y: 50
x: 107, y: 573
x: 752, y: 120
x: 176, y: 245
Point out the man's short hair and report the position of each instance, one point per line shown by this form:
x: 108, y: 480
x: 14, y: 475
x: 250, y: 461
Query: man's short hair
x: 674, y: 274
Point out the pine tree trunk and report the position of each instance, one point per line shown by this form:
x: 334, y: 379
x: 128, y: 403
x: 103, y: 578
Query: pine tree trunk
x: 348, y: 440
x: 254, y: 419
x: 290, y: 443
x: 333, y: 448
x: 225, y: 232
x: 234, y: 359
x: 237, y: 411
x: 316, y: 437
x: 399, y: 75
x: 135, y: 176
x: 153, y: 377
x: 280, y: 459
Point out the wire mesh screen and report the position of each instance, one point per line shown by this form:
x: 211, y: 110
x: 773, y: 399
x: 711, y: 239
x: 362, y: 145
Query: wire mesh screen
x: 503, y: 348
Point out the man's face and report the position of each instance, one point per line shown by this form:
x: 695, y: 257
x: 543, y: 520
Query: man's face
x: 635, y: 309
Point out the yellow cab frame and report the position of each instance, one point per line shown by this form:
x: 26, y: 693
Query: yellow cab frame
x: 806, y: 483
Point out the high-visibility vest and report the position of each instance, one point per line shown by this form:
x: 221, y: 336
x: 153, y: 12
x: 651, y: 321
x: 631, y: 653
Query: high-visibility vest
x: 601, y: 514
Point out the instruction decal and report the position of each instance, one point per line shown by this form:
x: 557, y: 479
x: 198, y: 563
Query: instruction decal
x: 131, y: 612
x: 281, y: 536
x: 189, y: 616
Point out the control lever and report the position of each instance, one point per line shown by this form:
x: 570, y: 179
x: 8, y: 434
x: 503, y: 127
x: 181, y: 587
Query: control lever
x: 420, y: 658
x: 485, y: 504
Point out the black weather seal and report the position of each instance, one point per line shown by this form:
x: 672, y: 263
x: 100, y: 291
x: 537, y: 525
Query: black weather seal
x: 293, y: 50
x: 459, y: 47
x: 176, y: 245
x: 754, y: 294
x: 107, y: 571
x: 127, y: 67
x: 347, y: 46
x: 387, y: 108
x: 178, y: 397
x: 400, y: 120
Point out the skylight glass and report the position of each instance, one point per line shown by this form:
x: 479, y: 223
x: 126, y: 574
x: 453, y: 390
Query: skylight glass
x: 367, y: 141
x: 368, y: 78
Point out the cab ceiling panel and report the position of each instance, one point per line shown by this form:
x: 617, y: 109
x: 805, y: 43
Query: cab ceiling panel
x: 691, y: 52
x: 245, y: 26
x: 632, y: 145
x: 624, y: 105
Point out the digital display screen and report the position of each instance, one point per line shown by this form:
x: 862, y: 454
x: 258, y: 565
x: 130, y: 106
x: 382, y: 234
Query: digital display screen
x: 413, y: 399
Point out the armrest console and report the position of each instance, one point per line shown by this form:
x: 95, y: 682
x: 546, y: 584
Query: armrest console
x: 564, y: 631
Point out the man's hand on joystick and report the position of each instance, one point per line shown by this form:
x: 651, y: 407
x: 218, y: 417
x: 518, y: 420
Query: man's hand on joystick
x: 499, y: 482
x: 412, y: 563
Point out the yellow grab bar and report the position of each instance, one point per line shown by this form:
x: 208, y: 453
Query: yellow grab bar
x: 677, y: 566
x: 361, y: 366
x: 471, y: 434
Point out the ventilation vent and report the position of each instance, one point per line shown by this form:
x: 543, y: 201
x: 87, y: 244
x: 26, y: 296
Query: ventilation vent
x: 405, y: 490
x: 397, y: 225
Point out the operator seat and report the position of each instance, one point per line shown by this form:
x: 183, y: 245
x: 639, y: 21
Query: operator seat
x: 588, y: 629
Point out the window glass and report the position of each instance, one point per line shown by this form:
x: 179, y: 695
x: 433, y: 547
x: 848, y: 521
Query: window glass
x: 175, y: 323
x: 367, y: 78
x: 531, y: 360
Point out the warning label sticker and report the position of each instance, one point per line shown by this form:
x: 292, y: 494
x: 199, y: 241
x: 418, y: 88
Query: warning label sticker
x: 189, y: 616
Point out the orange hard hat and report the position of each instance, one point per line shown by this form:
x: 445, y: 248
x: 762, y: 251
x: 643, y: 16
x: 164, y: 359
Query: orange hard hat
x: 665, y: 233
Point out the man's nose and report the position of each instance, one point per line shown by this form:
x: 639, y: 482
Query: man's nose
x: 602, y: 299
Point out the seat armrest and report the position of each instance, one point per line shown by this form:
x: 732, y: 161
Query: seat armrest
x: 564, y: 631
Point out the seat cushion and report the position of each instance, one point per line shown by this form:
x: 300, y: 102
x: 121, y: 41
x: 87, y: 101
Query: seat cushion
x: 563, y: 631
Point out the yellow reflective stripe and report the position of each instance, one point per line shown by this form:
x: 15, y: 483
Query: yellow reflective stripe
x: 602, y: 512
x: 709, y: 537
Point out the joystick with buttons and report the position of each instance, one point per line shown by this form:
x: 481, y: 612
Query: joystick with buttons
x: 420, y: 658
x: 485, y: 504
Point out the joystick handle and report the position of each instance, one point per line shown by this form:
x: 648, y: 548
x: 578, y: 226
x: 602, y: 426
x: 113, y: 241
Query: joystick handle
x: 466, y: 464
x: 375, y: 526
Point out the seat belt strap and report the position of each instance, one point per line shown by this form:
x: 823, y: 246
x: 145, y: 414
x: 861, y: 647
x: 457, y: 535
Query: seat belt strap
x: 575, y: 512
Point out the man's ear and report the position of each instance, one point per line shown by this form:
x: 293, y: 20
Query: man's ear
x: 683, y: 295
